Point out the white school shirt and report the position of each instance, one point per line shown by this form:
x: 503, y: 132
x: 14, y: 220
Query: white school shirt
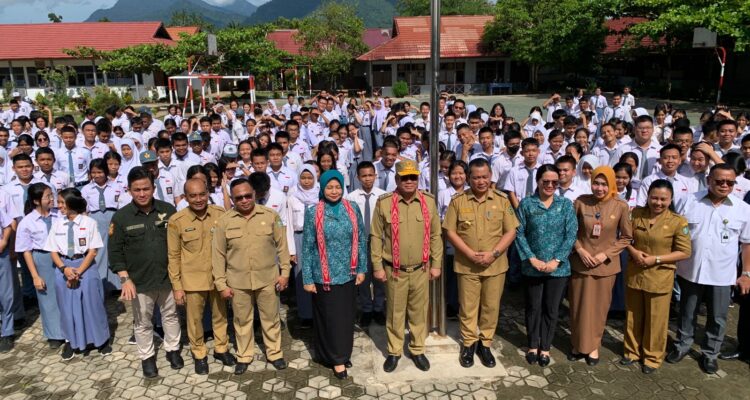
x: 652, y: 155
x: 112, y: 193
x: 287, y: 109
x: 123, y: 122
x: 293, y: 161
x: 15, y: 191
x: 451, y: 137
x: 713, y: 260
x: 516, y: 180
x: 8, y: 211
x: 174, y: 169
x: 573, y: 192
x: 176, y: 118
x: 502, y: 166
x: 598, y: 101
x: 81, y: 159
x: 574, y: 111
x: 275, y: 200
x: 381, y: 175
x: 621, y: 112
x: 605, y: 155
x: 32, y: 232
x: 300, y: 148
x: 551, y: 108
x: 358, y: 197
x: 185, y: 162
x: 58, y: 180
x: 628, y: 100
x: 283, y: 180
x: 741, y: 187
x: 632, y: 201
x: 680, y: 185
x: 170, y: 191
x: 85, y: 233
x: 549, y: 157
x: 206, y: 157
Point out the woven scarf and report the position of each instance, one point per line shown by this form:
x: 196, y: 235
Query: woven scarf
x: 320, y: 235
x: 395, y: 239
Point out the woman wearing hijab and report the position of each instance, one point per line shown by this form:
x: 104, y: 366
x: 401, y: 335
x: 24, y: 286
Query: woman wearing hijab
x: 604, y: 231
x: 302, y: 197
x: 129, y: 153
x: 584, y: 169
x: 334, y: 261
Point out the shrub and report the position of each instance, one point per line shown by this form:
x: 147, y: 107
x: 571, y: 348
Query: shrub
x: 400, y: 89
x: 104, y: 98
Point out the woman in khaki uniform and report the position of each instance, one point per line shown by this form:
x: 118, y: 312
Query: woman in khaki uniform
x: 660, y: 238
x: 604, y: 231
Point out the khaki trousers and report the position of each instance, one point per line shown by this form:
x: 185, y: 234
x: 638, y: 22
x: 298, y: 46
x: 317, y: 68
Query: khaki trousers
x: 647, y: 324
x: 406, y: 297
x: 243, y: 304
x: 143, y: 311
x: 479, y: 299
x: 195, y: 303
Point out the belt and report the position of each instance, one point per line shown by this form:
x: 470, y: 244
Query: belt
x: 106, y: 209
x: 81, y: 183
x: 74, y: 257
x: 40, y: 251
x: 405, y: 268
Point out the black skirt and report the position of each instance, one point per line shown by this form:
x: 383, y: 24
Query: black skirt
x: 333, y: 322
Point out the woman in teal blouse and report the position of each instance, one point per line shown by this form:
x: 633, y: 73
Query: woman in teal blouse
x: 334, y: 261
x: 545, y: 237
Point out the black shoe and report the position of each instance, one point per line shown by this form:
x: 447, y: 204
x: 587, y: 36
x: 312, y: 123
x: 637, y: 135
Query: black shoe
x: 729, y: 356
x: 340, y: 375
x: 391, y: 362
x: 159, y: 332
x: 240, y: 368
x: 575, y: 356
x: 348, y: 364
x: 105, y: 349
x: 709, y: 366
x: 19, y: 323
x: 379, y: 317
x: 149, y: 367
x: 201, y: 365
x: 175, y: 359
x: 647, y: 370
x: 421, y: 362
x: 466, y: 357
x: 591, y: 361
x: 279, y: 364
x: 532, y: 357
x: 55, y: 344
x: 544, y: 360
x: 451, y: 313
x: 67, y: 352
x: 675, y: 356
x: 226, y: 358
x: 485, y: 355
x: 131, y: 340
x: 365, y: 319
x: 626, y: 361
x: 305, y: 324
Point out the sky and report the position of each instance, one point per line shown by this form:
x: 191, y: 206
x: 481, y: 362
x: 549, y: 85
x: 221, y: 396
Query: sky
x: 28, y: 11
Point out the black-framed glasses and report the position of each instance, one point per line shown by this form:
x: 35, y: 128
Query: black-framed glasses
x: 550, y: 183
x: 722, y: 182
x: 42, y: 139
x: 244, y: 197
x: 410, y: 177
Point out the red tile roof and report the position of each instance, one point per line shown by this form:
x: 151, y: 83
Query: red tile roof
x: 618, y: 37
x: 460, y: 37
x: 47, y: 41
x: 284, y: 40
x: 174, y: 31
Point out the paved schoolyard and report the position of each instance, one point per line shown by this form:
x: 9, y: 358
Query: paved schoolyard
x: 33, y: 371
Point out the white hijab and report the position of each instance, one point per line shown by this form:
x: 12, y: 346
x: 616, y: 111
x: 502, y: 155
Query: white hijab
x: 126, y: 165
x: 308, y: 197
x: 591, y: 160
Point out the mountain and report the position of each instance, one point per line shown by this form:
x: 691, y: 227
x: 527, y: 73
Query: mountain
x: 375, y: 13
x: 162, y: 10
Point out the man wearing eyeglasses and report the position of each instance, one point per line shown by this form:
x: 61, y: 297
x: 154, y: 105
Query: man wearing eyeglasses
x: 719, y: 223
x: 481, y: 224
x: 407, y: 252
x: 251, y: 263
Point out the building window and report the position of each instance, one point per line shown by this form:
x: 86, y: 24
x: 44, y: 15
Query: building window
x: 412, y: 74
x: 84, y: 76
x: 452, y: 72
x: 119, y: 79
x: 35, y: 81
x: 490, y: 71
x: 381, y: 75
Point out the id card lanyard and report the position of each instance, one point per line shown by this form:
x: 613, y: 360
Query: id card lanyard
x: 725, y: 232
x: 597, y: 229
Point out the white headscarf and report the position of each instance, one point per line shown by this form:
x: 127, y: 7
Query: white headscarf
x: 591, y: 160
x: 308, y: 197
x: 134, y: 161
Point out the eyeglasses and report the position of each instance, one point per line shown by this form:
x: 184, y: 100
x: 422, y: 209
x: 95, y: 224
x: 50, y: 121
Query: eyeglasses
x: 42, y: 139
x: 550, y: 183
x: 410, y: 177
x: 244, y: 197
x: 722, y: 182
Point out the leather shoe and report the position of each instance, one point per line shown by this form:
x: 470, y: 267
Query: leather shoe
x: 201, y: 366
x: 365, y: 319
x: 279, y: 364
x: 647, y: 370
x: 626, y: 361
x: 391, y: 362
x: 532, y: 357
x: 379, y: 317
x: 575, y: 356
x: 421, y: 362
x: 340, y: 375
x: 466, y: 358
x: 544, y: 360
x: 175, y: 359
x: 729, y: 356
x: 348, y: 364
x: 709, y: 366
x: 675, y: 356
x: 240, y: 368
x: 149, y: 367
x: 591, y: 361
x: 226, y: 358
x: 485, y: 355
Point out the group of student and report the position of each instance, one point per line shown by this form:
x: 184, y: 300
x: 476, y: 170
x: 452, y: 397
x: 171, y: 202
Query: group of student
x: 62, y: 181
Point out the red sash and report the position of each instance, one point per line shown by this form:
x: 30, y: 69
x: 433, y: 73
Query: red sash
x: 320, y: 235
x: 395, y: 239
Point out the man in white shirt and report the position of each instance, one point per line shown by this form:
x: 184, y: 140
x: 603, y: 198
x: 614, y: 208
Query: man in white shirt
x: 521, y: 181
x: 72, y: 159
x: 151, y: 126
x: 606, y: 149
x: 509, y: 157
x: 291, y: 160
x: 449, y: 135
x: 719, y: 223
x: 282, y: 177
x: 487, y: 143
x: 646, y: 149
x: 551, y: 105
x: 181, y: 154
x: 371, y: 293
x: 628, y: 100
x: 266, y: 195
x: 598, y: 103
x: 385, y: 170
x: 288, y: 108
x: 617, y: 110
x: 297, y: 144
x: 568, y: 187
x: 727, y: 130
x: 167, y: 189
x: 571, y: 107
x: 669, y: 159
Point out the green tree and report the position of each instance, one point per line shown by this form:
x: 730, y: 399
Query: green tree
x: 332, y: 35
x: 571, y: 37
x: 54, y: 17
x: 188, y: 18
x: 447, y: 7
x: 56, y: 82
x: 104, y: 19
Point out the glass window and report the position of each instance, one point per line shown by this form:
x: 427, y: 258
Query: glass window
x: 412, y: 74
x: 452, y: 72
x: 381, y: 75
x: 490, y: 71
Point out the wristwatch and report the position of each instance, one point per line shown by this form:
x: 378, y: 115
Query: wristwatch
x: 62, y: 268
x: 124, y: 279
x: 496, y: 253
x: 658, y: 260
x: 745, y: 273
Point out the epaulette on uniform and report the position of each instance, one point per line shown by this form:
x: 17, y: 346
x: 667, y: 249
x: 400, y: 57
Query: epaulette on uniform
x: 500, y: 193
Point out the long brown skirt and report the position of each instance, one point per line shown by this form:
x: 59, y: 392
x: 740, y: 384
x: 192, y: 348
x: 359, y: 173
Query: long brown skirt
x: 589, y: 298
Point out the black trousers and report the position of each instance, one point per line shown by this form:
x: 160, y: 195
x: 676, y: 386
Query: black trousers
x: 543, y: 298
x: 333, y: 323
x: 743, y: 326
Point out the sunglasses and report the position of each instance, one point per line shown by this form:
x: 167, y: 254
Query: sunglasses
x: 410, y: 177
x: 550, y: 183
x: 722, y: 182
x: 41, y: 139
x: 244, y: 197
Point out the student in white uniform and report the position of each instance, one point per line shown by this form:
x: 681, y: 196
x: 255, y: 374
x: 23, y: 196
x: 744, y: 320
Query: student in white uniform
x: 72, y: 159
x: 266, y: 195
x: 102, y: 196
x: 58, y: 180
x: 520, y: 182
x: 623, y: 179
x: 167, y: 189
x: 282, y: 178
x: 73, y: 242
x: 11, y: 305
x: 669, y: 159
x: 568, y: 185
x: 31, y: 236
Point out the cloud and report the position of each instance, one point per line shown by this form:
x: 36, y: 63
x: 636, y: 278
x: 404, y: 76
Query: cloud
x: 28, y: 11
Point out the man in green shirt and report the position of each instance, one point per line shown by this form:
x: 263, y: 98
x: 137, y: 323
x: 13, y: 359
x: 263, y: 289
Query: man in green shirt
x: 138, y: 254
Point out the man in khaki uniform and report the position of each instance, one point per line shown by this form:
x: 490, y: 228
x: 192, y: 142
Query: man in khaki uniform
x: 481, y: 224
x: 249, y: 242
x: 406, y: 263
x: 189, y: 236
